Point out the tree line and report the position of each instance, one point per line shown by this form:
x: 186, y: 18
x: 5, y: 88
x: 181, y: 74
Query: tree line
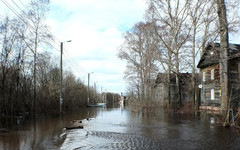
x: 29, y: 74
x: 170, y: 40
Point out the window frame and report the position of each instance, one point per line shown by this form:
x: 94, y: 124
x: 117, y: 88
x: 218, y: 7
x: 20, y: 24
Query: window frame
x: 212, y: 74
x: 204, y: 76
x: 212, y: 94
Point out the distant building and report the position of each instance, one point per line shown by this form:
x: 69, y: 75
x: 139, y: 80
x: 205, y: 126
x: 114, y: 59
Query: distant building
x: 210, y: 76
x: 161, y: 88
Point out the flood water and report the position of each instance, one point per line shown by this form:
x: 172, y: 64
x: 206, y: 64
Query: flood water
x: 120, y: 128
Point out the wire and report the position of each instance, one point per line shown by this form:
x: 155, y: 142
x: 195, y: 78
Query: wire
x: 23, y: 4
x: 22, y: 10
x: 74, y: 60
x: 67, y: 55
x: 16, y: 13
x: 76, y: 69
x: 9, y: 7
x: 70, y: 59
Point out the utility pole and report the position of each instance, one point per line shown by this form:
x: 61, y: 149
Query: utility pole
x: 105, y: 96
x: 113, y: 100
x: 61, y: 78
x: 95, y: 92
x: 61, y: 100
x: 102, y: 96
x: 88, y: 88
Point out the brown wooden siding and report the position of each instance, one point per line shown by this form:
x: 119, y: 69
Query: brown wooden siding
x: 234, y: 72
x: 210, y: 84
x: 207, y: 71
x: 234, y: 85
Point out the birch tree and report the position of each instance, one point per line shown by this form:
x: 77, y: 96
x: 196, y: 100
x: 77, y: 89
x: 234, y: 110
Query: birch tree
x: 37, y: 33
x: 13, y: 72
x: 171, y: 15
x: 8, y: 40
x: 203, y: 22
x: 138, y: 50
x: 224, y: 46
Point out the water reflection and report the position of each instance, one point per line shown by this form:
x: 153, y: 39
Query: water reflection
x: 119, y: 128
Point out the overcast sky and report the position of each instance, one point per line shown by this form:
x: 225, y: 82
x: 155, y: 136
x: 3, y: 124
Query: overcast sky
x: 95, y: 28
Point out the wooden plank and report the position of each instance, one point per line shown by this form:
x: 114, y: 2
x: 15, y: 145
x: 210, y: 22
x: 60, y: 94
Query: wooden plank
x: 76, y: 124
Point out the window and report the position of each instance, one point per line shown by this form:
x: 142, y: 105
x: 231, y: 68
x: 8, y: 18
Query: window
x: 207, y: 94
x: 212, y: 94
x: 212, y: 74
x: 204, y: 78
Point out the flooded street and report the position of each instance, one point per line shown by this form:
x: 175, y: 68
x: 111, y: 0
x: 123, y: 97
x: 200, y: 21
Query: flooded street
x: 119, y: 128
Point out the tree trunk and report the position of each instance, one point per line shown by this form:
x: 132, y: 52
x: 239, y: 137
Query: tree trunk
x: 193, y: 66
x: 177, y: 75
x: 169, y: 79
x: 224, y: 46
x: 34, y: 75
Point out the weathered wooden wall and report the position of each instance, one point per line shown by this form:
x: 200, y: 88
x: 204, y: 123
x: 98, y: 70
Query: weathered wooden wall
x: 208, y: 84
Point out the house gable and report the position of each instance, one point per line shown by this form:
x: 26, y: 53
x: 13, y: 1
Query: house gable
x: 210, y: 54
x: 210, y: 75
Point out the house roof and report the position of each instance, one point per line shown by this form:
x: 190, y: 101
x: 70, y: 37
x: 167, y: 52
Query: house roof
x: 184, y: 78
x: 210, y: 54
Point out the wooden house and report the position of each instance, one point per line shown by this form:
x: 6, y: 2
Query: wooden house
x: 162, y: 91
x: 210, y: 76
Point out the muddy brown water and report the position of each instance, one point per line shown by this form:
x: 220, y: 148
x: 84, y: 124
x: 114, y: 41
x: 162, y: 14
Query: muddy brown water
x: 120, y: 128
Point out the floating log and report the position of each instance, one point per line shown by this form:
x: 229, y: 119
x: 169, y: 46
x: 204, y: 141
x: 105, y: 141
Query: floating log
x: 3, y: 130
x: 75, y: 125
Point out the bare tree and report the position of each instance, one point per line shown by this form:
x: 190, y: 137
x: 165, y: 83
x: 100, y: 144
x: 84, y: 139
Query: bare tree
x: 202, y: 17
x: 20, y: 61
x: 224, y: 46
x: 171, y: 17
x: 37, y: 33
x: 13, y: 65
x: 139, y: 52
x: 8, y: 39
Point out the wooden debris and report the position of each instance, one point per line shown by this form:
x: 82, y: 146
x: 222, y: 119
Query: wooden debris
x: 75, y: 124
x: 3, y: 130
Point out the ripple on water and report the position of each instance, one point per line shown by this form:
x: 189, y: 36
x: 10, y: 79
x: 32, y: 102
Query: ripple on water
x: 124, y: 141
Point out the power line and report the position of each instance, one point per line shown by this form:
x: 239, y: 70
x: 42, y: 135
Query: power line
x: 23, y: 4
x: 21, y: 18
x: 22, y: 10
x: 74, y: 60
x: 9, y: 7
x: 16, y: 13
x: 72, y: 64
x: 68, y: 59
